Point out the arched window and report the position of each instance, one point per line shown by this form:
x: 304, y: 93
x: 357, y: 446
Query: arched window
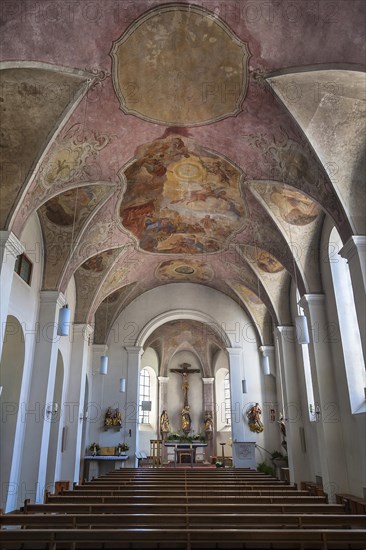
x: 348, y: 325
x: 227, y: 399
x: 145, y: 395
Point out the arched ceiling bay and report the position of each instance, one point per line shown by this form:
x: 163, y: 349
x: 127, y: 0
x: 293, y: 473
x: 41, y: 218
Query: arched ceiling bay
x: 185, y: 335
x: 180, y: 163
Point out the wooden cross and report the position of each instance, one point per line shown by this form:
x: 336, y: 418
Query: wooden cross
x: 185, y: 371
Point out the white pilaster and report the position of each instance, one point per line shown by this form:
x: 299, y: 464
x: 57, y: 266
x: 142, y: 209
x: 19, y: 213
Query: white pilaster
x: 354, y: 251
x: 286, y: 342
x: 42, y: 389
x: 163, y: 393
x: 209, y: 405
x: 73, y: 407
x: 329, y: 429
x: 10, y: 248
x: 132, y: 397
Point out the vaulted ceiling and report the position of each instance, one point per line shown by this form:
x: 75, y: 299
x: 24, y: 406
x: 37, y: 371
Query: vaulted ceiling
x: 167, y: 142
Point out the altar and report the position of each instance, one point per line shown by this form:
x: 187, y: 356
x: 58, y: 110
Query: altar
x: 188, y: 450
x: 96, y: 466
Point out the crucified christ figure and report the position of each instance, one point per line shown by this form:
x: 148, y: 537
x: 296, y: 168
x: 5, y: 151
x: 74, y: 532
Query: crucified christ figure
x: 185, y: 371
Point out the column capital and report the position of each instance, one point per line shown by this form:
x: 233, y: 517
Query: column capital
x: 83, y: 328
x: 99, y: 349
x: 312, y: 300
x: 11, y: 243
x: 52, y: 297
x: 266, y: 350
x: 352, y: 246
x: 134, y: 350
x: 208, y: 380
x: 163, y: 379
x: 234, y: 351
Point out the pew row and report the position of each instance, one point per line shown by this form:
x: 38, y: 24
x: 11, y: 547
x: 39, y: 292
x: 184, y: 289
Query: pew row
x: 181, y: 538
x: 181, y: 508
x: 193, y: 520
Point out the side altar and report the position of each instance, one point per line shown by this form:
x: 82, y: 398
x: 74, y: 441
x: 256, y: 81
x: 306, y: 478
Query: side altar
x: 95, y: 466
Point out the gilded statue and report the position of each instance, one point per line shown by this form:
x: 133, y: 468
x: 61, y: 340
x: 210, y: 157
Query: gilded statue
x: 186, y: 420
x: 164, y: 424
x: 254, y: 419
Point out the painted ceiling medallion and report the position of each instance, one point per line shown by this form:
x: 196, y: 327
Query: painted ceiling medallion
x: 175, y: 270
x: 181, y: 198
x: 295, y: 208
x: 180, y: 65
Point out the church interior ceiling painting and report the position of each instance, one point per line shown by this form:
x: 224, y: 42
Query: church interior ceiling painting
x: 170, y: 154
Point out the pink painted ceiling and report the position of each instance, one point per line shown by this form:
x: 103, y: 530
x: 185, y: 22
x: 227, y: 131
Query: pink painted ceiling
x: 243, y: 175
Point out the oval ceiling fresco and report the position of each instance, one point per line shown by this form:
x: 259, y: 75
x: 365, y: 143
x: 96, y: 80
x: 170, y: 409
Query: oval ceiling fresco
x: 181, y: 198
x: 177, y: 270
x: 180, y: 65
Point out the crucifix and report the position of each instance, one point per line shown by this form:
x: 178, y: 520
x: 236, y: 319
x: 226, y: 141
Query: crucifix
x: 185, y: 371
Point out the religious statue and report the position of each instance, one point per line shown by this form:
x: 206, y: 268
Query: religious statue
x: 117, y: 419
x: 186, y: 420
x: 254, y: 419
x: 186, y: 417
x: 108, y: 420
x: 164, y: 424
x: 185, y: 371
x: 208, y: 424
x: 112, y: 418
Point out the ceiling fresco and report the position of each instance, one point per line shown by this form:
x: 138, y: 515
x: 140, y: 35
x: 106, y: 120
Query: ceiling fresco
x: 62, y: 219
x: 181, y: 199
x: 189, y: 56
x: 162, y: 142
x: 187, y: 270
x: 28, y: 114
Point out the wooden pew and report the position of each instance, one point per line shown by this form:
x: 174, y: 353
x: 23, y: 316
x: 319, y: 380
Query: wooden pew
x: 181, y: 508
x: 183, y: 538
x: 203, y: 492
x: 255, y: 521
x: 161, y: 499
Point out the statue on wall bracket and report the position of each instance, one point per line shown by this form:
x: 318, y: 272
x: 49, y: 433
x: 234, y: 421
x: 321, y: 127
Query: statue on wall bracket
x: 254, y: 419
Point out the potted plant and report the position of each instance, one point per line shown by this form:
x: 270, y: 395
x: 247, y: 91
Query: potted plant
x: 219, y: 464
x: 265, y: 469
x: 122, y: 448
x: 94, y: 448
x: 279, y: 459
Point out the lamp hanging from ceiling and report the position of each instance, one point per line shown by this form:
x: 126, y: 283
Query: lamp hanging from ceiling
x: 122, y: 385
x: 302, y: 330
x: 63, y: 326
x: 103, y: 369
x: 265, y: 365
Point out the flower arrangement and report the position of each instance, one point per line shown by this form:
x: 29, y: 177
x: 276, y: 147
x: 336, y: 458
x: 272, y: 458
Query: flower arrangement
x: 122, y: 447
x: 94, y: 448
x: 176, y: 437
